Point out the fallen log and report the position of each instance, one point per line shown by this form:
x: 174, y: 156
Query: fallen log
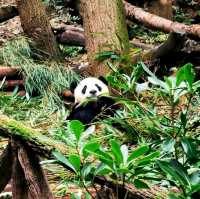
x: 7, y: 12
x: 9, y: 71
x: 160, y: 23
x: 173, y: 44
x: 36, y: 139
x: 73, y: 35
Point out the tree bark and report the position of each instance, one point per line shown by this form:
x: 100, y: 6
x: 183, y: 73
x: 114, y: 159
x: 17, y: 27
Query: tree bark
x: 19, y: 185
x: 29, y: 181
x: 162, y: 8
x: 35, y: 24
x: 5, y: 167
x: 173, y: 44
x: 105, y: 30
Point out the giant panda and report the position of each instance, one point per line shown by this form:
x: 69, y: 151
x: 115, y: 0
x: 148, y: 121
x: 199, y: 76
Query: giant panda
x: 92, y: 100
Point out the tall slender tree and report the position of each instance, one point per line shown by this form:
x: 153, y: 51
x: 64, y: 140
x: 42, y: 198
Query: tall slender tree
x: 36, y: 25
x: 105, y: 29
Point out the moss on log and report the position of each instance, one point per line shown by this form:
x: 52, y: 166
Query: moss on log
x: 35, y: 138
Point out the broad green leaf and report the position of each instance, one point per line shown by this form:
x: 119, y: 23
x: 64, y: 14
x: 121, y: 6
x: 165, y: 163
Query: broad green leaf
x: 139, y: 184
x: 169, y: 83
x: 168, y: 145
x: 75, y: 161
x: 196, y: 85
x: 103, y: 157
x: 185, y: 73
x: 115, y: 147
x: 124, y: 151
x: 77, y: 128
x: 60, y: 157
x: 189, y: 74
x: 90, y: 147
x: 189, y: 148
x: 195, y: 178
x: 180, y: 170
x: 180, y: 76
x: 86, y: 170
x: 147, y: 159
x: 172, y: 171
x: 138, y: 152
x: 155, y: 79
x: 195, y: 188
x: 104, y: 55
x: 102, y: 170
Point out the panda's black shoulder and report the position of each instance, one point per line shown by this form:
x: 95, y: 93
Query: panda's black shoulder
x: 84, y: 112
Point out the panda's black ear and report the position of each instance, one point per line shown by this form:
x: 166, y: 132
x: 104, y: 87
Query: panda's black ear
x: 73, y: 86
x: 103, y: 79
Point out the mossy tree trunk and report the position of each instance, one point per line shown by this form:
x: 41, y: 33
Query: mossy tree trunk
x: 105, y: 30
x: 36, y: 25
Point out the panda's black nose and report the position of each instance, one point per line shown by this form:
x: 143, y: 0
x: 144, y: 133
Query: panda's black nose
x: 93, y: 92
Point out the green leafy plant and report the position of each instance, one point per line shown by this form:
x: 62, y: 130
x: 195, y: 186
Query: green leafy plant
x: 117, y: 163
x: 176, y: 138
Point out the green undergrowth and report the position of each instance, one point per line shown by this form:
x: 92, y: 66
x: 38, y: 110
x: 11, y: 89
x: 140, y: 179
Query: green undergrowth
x: 44, y: 78
x: 158, y: 139
x: 146, y: 35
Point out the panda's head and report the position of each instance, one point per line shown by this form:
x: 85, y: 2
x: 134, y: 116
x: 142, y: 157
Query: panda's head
x: 90, y: 87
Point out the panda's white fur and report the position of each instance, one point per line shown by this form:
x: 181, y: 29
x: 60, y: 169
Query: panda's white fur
x: 90, y: 87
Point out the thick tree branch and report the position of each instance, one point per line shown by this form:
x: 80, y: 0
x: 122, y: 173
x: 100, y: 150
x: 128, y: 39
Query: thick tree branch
x: 160, y: 23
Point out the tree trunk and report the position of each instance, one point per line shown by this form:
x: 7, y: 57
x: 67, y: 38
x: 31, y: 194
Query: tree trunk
x: 162, y: 8
x: 36, y: 25
x: 29, y: 181
x: 105, y: 30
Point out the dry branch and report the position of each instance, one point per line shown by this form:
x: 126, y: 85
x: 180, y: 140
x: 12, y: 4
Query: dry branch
x: 160, y: 23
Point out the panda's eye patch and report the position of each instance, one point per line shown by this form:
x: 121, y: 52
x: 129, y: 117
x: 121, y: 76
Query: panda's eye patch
x: 84, y: 89
x: 99, y: 87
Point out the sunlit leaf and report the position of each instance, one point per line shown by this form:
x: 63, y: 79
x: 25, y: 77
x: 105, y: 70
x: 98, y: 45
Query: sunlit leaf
x: 77, y: 128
